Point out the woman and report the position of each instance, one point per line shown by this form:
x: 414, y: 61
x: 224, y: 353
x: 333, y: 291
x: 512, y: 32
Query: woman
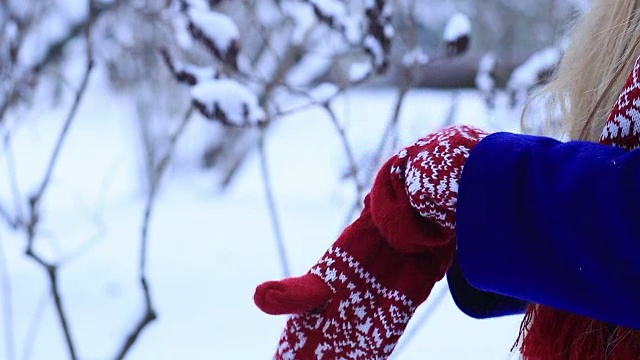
x: 579, y: 220
x: 532, y: 218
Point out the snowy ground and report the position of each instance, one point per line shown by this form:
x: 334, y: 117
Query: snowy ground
x: 207, y: 250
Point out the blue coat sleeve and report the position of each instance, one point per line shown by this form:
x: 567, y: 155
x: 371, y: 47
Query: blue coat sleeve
x: 480, y: 304
x: 553, y: 223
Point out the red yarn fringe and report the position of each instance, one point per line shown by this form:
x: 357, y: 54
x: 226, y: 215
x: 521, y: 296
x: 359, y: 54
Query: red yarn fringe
x: 550, y: 334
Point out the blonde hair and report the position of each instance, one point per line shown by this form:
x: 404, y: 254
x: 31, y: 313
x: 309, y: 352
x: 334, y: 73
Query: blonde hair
x: 601, y: 54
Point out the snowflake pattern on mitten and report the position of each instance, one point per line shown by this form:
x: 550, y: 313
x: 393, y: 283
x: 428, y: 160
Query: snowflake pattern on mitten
x: 432, y: 168
x: 623, y: 125
x: 380, y: 314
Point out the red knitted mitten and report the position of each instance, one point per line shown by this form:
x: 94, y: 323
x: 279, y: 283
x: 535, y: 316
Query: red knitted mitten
x: 357, y: 300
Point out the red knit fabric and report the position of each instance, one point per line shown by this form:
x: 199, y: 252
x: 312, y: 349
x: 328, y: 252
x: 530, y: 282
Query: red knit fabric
x: 428, y: 172
x: 291, y: 296
x: 550, y: 334
x: 356, y: 301
x: 623, y: 126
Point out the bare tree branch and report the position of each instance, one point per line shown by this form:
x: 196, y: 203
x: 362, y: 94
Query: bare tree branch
x: 34, y: 201
x: 453, y: 109
x: 7, y: 301
x: 148, y: 317
x: 63, y: 135
x: 34, y: 325
x: 55, y: 50
x: 377, y: 157
x: 401, y: 94
x: 149, y: 312
x: 16, y: 220
x: 273, y: 212
x: 353, y: 164
x: 13, y: 223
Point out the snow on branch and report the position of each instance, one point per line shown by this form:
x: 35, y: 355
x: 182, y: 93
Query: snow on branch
x: 358, y: 71
x: 457, y: 34
x: 536, y: 70
x: 415, y: 57
x: 331, y: 12
x: 187, y: 73
x: 217, y: 32
x: 227, y: 101
x: 486, y: 77
x: 380, y: 33
x: 323, y: 93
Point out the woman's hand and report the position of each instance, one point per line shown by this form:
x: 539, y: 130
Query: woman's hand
x: 357, y: 300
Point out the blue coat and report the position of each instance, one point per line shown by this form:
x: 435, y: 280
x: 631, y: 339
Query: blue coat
x: 548, y: 222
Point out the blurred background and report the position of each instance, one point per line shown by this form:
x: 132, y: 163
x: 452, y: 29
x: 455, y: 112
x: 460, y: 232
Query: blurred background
x: 161, y: 158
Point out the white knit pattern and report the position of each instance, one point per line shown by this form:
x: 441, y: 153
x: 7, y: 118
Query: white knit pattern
x: 370, y: 318
x: 431, y: 176
x: 623, y: 127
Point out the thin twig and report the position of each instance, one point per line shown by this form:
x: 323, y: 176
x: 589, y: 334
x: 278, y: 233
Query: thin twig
x: 34, y: 325
x: 159, y: 170
x: 391, y: 126
x: 453, y: 109
x: 375, y: 163
x: 7, y: 301
x: 409, y: 335
x: 63, y: 134
x: 52, y: 270
x: 55, y: 50
x: 273, y: 212
x: 13, y: 180
x: 353, y: 164
x: 34, y: 201
x: 53, y: 278
x: 149, y: 316
x: 13, y: 223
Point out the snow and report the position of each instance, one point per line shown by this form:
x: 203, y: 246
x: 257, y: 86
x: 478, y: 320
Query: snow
x: 218, y: 27
x: 199, y: 73
x: 358, y: 71
x: 373, y: 46
x: 526, y: 75
x: 198, y: 4
x: 323, y: 92
x: 458, y: 26
x: 268, y: 13
x: 10, y: 31
x: 207, y: 250
x: 303, y: 18
x: 389, y: 31
x: 353, y: 26
x: 232, y: 98
x: 74, y: 10
x: 484, y: 80
x: 52, y: 29
x: 310, y: 67
x: 431, y: 17
x: 415, y: 57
